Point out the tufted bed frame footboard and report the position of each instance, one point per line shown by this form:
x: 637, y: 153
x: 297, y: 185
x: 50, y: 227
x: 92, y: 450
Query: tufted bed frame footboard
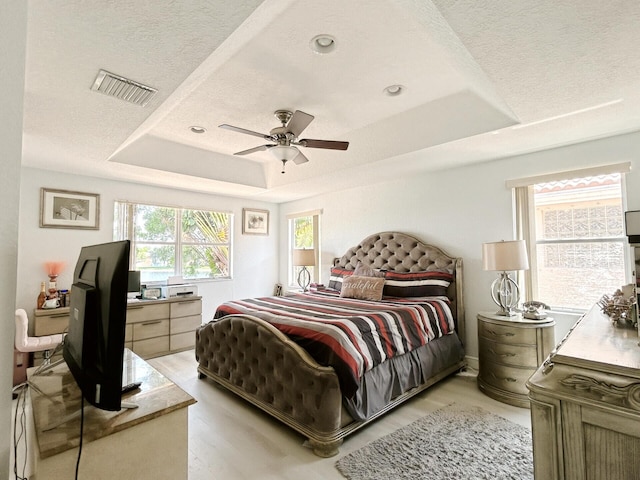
x: 259, y: 363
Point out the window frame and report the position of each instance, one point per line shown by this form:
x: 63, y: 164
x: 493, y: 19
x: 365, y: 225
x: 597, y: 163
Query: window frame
x: 124, y: 223
x: 525, y: 224
x: 292, y: 273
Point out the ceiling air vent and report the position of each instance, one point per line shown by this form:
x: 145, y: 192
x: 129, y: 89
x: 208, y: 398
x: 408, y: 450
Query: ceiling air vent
x: 123, y: 88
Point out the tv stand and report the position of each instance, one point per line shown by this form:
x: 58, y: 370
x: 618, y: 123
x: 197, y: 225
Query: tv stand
x: 150, y: 440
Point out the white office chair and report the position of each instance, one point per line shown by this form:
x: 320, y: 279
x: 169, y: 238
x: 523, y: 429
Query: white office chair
x: 25, y: 343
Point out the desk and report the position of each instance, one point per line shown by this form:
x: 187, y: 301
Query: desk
x: 146, y: 442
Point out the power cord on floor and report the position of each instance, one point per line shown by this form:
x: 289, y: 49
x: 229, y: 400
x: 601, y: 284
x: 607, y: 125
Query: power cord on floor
x: 81, y: 435
x: 17, y: 437
x: 467, y: 371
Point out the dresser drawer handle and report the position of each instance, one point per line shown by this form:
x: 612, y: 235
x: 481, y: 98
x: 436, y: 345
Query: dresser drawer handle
x: 506, y: 379
x: 151, y: 323
x: 496, y: 334
x: 493, y: 352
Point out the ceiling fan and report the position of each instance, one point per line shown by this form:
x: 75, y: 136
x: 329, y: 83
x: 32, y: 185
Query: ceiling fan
x: 284, y: 139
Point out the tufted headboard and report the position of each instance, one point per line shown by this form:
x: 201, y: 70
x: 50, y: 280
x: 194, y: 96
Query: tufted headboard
x: 400, y: 252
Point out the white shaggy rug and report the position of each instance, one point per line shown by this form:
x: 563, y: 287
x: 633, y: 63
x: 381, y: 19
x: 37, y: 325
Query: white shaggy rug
x: 453, y: 443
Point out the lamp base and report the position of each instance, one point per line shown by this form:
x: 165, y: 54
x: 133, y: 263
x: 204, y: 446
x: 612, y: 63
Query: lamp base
x: 505, y: 294
x: 304, y: 279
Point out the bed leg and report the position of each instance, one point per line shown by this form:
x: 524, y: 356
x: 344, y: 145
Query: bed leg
x: 201, y: 375
x: 324, y: 449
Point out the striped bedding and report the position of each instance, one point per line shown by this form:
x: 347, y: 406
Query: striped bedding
x: 352, y: 336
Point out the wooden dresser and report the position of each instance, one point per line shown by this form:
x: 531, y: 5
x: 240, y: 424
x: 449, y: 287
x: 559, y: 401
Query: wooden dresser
x: 511, y: 349
x: 585, y: 404
x: 154, y: 327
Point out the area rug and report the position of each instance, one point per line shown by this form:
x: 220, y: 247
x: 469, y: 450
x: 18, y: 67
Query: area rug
x: 453, y: 443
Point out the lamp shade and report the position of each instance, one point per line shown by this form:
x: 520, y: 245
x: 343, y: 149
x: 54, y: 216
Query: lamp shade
x: 304, y: 257
x: 284, y: 152
x: 505, y: 256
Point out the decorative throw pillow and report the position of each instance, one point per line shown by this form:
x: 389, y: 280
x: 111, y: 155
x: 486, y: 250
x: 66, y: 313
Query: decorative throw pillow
x: 418, y: 284
x: 364, y: 271
x: 336, y: 277
x: 362, y: 288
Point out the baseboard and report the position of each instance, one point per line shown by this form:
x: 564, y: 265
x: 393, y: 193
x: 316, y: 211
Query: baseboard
x: 472, y: 363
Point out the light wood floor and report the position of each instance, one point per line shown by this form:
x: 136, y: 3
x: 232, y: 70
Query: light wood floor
x: 232, y: 440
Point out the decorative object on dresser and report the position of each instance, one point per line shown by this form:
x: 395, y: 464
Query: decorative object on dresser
x: 505, y: 257
x: 53, y: 270
x: 247, y: 348
x: 585, y: 404
x: 255, y: 222
x: 620, y: 307
x: 304, y: 257
x: 66, y: 209
x: 511, y: 349
x: 456, y: 441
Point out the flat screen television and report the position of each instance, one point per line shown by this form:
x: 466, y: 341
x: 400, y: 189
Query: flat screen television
x: 94, y: 346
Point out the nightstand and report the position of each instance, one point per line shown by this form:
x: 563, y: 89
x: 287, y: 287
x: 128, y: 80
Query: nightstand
x: 510, y: 351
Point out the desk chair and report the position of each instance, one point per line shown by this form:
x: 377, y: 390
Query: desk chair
x: 27, y: 344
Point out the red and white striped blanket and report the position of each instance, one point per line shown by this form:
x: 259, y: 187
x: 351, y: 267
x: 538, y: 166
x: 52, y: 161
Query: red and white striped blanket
x: 350, y: 335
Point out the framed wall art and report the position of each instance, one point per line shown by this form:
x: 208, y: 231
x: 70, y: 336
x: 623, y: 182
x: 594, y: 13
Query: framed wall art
x: 255, y: 222
x: 66, y: 209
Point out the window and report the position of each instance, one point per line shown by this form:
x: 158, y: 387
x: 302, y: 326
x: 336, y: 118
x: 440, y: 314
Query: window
x: 304, y: 232
x: 167, y: 241
x: 576, y: 239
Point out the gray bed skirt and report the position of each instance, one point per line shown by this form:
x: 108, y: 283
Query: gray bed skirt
x: 400, y: 374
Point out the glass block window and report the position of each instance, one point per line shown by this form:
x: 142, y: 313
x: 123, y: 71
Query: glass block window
x: 579, y: 236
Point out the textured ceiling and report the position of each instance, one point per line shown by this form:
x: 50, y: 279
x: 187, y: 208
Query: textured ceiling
x: 483, y: 80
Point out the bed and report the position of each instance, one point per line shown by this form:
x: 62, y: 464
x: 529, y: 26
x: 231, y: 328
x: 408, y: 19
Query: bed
x: 327, y: 363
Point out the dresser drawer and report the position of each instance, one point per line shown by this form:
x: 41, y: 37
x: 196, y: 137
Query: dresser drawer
x: 151, y: 347
x: 183, y: 341
x: 150, y: 329
x: 186, y: 308
x: 507, y: 334
x: 511, y: 379
x: 508, y: 354
x: 143, y: 313
x: 51, y: 324
x: 185, y: 324
x: 128, y: 335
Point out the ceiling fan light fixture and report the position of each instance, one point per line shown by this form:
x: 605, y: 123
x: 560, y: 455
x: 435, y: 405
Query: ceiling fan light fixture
x: 284, y: 153
x: 197, y: 129
x: 394, y: 90
x: 323, y: 44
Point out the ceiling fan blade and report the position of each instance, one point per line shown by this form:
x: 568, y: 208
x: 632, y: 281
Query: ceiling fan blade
x: 254, y: 149
x: 332, y: 144
x: 300, y: 158
x: 244, y: 130
x: 299, y: 121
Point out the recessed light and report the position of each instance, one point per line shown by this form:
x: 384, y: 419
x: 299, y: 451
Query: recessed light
x: 394, y: 90
x: 323, y: 44
x: 196, y: 129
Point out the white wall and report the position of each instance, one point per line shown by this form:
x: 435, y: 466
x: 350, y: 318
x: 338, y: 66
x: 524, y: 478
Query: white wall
x: 13, y: 21
x: 255, y: 267
x: 457, y: 209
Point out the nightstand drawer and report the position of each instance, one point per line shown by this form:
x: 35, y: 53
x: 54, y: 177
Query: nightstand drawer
x: 511, y: 379
x: 507, y: 354
x: 507, y: 333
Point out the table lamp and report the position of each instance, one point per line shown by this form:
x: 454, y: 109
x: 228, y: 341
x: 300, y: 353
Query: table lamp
x: 505, y: 257
x: 304, y: 258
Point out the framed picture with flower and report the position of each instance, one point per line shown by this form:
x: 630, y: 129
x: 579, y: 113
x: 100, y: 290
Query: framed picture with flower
x: 255, y: 222
x: 67, y: 209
